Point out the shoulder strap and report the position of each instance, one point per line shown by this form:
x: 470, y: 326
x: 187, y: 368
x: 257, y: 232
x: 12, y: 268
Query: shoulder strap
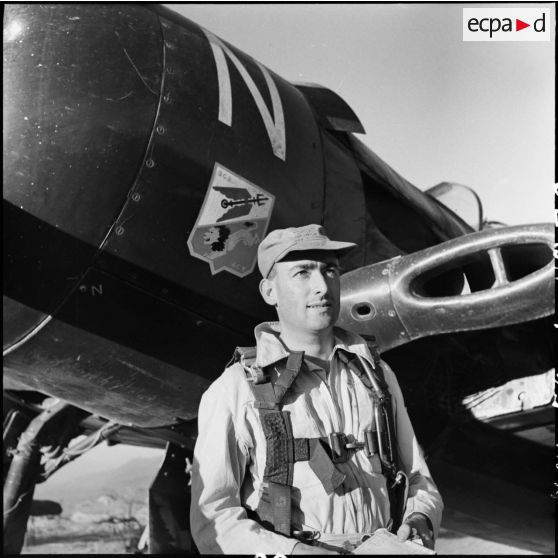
x: 375, y: 352
x: 354, y: 362
x: 374, y: 380
x: 268, y: 391
x: 275, y: 510
x: 288, y: 375
x: 385, y: 423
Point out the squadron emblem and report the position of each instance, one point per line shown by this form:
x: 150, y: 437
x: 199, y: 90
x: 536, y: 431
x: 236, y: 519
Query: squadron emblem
x: 232, y: 222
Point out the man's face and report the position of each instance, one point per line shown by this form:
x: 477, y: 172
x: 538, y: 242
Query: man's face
x: 304, y: 287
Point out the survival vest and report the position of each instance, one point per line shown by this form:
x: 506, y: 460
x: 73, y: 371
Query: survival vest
x: 284, y: 450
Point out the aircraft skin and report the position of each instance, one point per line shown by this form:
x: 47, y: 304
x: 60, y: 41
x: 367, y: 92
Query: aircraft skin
x: 126, y: 158
x: 133, y: 139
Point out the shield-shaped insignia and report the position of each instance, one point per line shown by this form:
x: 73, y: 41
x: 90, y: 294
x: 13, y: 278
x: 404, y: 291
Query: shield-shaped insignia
x: 232, y: 222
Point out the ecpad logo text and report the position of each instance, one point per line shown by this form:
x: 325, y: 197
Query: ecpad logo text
x: 507, y: 24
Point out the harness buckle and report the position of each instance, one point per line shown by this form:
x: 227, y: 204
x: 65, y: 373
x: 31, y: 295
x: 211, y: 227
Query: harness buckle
x: 355, y: 445
x: 338, y: 447
x: 256, y: 374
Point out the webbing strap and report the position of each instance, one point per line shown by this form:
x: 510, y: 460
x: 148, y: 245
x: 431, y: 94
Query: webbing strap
x: 347, y: 359
x: 283, y: 451
x: 279, y: 440
x: 398, y: 494
x: 269, y: 394
x: 280, y: 495
x: 264, y: 395
x: 288, y: 375
x: 280, y: 457
x: 354, y: 363
x: 323, y: 467
x: 397, y: 482
x: 274, y: 507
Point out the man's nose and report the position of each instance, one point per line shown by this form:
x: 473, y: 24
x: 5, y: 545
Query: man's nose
x: 319, y: 282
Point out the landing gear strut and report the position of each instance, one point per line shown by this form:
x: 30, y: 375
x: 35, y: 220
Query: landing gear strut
x: 25, y: 464
x: 169, y: 505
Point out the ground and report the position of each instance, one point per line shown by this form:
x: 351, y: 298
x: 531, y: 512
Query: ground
x: 496, y: 489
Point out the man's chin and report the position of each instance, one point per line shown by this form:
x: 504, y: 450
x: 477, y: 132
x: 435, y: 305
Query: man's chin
x: 323, y: 324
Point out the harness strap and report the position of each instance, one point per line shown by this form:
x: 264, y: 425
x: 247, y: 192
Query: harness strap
x: 280, y: 454
x: 274, y: 507
x: 283, y: 450
x: 397, y: 480
x: 288, y: 375
x: 355, y: 364
x: 323, y: 467
x: 269, y: 394
x: 281, y: 507
x: 374, y: 380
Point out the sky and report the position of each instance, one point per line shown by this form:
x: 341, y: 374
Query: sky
x: 434, y: 107
x: 101, y: 458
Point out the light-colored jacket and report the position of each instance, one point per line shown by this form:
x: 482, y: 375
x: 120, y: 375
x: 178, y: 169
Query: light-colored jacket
x: 230, y: 455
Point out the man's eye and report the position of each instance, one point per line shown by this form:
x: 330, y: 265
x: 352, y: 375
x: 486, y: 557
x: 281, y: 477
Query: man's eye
x: 332, y: 271
x: 301, y: 273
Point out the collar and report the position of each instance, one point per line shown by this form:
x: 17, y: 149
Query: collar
x: 271, y: 349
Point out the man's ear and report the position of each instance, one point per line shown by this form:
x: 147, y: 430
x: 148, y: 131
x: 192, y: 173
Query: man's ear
x: 267, y: 290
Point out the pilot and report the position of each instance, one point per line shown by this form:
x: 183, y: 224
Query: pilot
x: 293, y: 453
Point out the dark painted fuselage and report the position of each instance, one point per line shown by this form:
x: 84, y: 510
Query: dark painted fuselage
x: 116, y: 119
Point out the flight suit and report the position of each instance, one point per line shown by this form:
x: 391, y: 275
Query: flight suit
x: 230, y: 455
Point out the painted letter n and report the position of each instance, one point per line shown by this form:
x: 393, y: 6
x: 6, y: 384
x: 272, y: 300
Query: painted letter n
x: 275, y: 126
